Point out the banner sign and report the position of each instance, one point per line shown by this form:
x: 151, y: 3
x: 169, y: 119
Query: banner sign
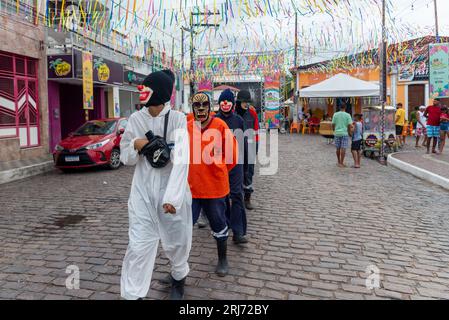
x: 88, y: 85
x: 60, y: 66
x: 272, y: 101
x: 439, y: 70
x: 240, y: 63
x: 414, y: 72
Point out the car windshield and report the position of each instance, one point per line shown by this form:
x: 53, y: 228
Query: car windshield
x: 94, y: 128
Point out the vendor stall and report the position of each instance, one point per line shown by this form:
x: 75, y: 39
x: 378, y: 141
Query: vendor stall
x: 372, y: 130
x: 331, y: 93
x: 343, y: 87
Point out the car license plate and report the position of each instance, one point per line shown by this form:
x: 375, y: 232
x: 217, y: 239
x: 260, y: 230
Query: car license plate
x: 72, y: 159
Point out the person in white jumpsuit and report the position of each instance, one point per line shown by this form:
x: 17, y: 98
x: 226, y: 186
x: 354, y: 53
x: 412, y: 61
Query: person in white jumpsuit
x: 152, y: 189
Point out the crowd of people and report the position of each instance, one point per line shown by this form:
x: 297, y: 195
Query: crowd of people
x: 185, y: 167
x: 431, y: 124
x: 203, y: 164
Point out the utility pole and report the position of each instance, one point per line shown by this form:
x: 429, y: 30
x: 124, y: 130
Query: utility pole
x: 296, y: 94
x: 182, y: 67
x: 383, y: 81
x: 192, y: 47
x: 296, y: 39
x: 437, y: 28
x: 192, y: 69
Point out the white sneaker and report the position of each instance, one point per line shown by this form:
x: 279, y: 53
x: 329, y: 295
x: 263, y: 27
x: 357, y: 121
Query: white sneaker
x: 202, y: 221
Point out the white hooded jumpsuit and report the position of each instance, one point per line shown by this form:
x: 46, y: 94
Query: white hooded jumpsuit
x: 151, y: 189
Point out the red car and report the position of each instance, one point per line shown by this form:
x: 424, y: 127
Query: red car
x: 96, y: 143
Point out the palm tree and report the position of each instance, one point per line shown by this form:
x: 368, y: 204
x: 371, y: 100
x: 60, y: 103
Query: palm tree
x: 98, y: 63
x: 55, y: 63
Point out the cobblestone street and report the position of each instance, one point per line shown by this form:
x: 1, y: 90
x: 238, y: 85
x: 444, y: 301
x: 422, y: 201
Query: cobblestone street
x: 315, y: 232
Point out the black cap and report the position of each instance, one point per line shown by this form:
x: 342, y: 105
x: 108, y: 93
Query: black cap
x: 244, y: 96
x: 162, y: 83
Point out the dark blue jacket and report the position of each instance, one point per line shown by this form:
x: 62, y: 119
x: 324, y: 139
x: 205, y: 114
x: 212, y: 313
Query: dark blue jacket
x: 235, y: 122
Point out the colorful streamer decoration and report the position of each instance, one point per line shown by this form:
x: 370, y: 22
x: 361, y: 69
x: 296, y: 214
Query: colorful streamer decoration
x: 255, y: 29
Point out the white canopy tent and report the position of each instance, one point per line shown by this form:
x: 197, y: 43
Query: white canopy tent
x: 341, y: 86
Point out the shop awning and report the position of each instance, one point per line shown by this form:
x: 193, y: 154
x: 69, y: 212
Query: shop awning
x: 341, y: 86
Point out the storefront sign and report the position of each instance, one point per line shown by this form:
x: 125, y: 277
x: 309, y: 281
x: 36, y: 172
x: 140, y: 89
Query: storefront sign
x: 88, y: 86
x: 272, y: 101
x: 107, y: 71
x: 132, y: 77
x: 60, y: 66
x: 439, y: 70
x: 104, y: 71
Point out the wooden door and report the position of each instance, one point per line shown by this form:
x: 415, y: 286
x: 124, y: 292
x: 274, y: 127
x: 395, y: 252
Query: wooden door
x: 416, y: 96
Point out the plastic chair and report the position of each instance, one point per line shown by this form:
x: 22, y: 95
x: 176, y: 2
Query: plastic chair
x: 294, y: 127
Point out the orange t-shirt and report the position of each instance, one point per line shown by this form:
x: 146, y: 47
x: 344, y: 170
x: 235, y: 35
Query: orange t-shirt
x: 211, y: 159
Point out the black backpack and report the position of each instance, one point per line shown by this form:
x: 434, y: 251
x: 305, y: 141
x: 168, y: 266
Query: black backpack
x: 157, y: 151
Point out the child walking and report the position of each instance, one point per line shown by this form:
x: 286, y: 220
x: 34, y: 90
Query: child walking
x: 357, y: 138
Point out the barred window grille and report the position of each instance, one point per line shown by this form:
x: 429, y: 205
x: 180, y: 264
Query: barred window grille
x: 19, y: 99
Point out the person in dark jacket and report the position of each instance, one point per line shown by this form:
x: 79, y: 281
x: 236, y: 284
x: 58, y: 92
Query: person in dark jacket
x: 243, y: 109
x: 236, y: 210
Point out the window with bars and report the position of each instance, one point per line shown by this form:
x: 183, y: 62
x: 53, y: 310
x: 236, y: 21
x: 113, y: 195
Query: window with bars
x: 19, y: 101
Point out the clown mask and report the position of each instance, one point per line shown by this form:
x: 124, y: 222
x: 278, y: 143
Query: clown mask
x: 226, y: 106
x: 145, y: 94
x: 201, y: 107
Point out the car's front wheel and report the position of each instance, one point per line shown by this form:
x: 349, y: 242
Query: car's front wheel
x: 114, y: 161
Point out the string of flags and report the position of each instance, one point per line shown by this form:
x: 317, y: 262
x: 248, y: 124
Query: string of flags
x: 327, y: 28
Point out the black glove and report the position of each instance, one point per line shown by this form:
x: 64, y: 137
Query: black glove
x: 156, y: 151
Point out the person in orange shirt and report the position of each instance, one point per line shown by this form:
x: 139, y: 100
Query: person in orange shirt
x: 213, y: 154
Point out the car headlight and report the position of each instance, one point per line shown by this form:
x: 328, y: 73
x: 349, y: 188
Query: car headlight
x: 59, y: 148
x: 98, y: 145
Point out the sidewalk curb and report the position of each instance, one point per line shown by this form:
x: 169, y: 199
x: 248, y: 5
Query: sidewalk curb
x: 25, y: 172
x: 418, y: 172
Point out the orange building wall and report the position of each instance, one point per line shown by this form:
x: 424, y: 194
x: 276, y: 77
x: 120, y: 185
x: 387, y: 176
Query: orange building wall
x: 310, y: 79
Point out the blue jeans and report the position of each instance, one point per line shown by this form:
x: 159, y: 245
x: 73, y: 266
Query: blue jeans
x: 215, y: 211
x: 236, y: 213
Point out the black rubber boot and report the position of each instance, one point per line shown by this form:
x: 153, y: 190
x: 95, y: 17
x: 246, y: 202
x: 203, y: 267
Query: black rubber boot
x: 248, y: 204
x: 239, y: 239
x: 177, y: 289
x: 167, y: 280
x: 222, y: 266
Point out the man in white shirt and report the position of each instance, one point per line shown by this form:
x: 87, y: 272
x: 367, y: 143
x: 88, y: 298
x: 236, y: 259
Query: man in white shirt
x: 160, y: 203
